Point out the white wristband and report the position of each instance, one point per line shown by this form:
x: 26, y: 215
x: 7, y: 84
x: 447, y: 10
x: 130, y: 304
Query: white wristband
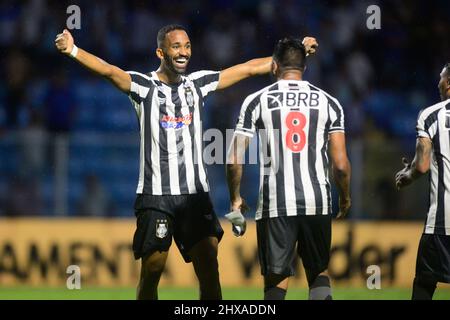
x: 74, y: 51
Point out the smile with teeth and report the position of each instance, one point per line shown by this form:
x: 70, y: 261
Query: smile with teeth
x: 181, y: 61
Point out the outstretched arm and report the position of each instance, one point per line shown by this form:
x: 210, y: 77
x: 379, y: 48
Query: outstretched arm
x: 242, y: 71
x: 341, y: 171
x: 254, y: 67
x: 419, y: 166
x: 65, y: 44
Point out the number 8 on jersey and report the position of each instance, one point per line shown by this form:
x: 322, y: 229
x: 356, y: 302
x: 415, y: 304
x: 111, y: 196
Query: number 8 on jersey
x: 295, y: 136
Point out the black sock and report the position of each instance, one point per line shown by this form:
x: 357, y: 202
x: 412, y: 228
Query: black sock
x: 274, y: 293
x: 320, y: 289
x: 423, y: 290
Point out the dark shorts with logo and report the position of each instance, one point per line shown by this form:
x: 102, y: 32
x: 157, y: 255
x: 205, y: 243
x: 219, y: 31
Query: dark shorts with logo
x: 187, y: 218
x: 433, y: 258
x: 280, y: 239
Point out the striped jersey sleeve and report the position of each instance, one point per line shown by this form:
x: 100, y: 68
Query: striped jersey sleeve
x: 140, y: 86
x: 250, y: 112
x: 207, y: 81
x: 336, y: 113
x: 427, y: 123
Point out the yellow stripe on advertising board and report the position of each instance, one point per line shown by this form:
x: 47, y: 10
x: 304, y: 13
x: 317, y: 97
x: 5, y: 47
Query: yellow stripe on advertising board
x: 37, y: 252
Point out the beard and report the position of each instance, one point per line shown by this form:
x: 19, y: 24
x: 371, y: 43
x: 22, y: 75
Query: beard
x: 172, y: 67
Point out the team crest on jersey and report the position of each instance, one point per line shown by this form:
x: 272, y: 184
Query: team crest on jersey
x: 161, y: 97
x: 189, y: 95
x: 161, y: 228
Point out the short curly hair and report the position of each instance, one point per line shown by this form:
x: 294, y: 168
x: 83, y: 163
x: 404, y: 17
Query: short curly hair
x: 165, y: 30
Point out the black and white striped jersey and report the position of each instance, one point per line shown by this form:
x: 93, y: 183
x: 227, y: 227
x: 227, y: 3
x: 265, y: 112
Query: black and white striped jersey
x: 294, y: 120
x: 171, y: 161
x: 434, y: 123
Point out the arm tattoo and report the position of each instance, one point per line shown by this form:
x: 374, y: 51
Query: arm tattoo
x: 421, y: 162
x: 420, y: 151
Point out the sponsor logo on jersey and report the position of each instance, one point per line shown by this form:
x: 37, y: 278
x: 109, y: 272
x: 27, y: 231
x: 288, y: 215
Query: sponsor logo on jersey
x: 171, y: 122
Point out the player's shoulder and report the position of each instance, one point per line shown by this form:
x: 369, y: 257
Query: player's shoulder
x: 428, y: 111
x: 141, y: 78
x: 255, y: 97
x: 325, y: 93
x: 202, y: 73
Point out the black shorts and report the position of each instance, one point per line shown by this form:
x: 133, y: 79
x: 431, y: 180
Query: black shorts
x: 433, y: 258
x: 278, y: 238
x: 186, y: 218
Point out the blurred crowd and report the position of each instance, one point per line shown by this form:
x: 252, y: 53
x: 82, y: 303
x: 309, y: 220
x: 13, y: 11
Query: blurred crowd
x: 49, y: 106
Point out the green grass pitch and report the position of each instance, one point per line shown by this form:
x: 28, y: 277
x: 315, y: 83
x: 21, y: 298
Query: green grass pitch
x: 27, y: 293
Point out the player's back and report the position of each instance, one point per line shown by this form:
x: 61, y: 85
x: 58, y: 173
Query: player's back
x: 294, y: 120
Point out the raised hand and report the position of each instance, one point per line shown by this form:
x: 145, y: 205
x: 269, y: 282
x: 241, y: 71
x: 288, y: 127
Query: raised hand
x: 64, y: 42
x: 310, y: 44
